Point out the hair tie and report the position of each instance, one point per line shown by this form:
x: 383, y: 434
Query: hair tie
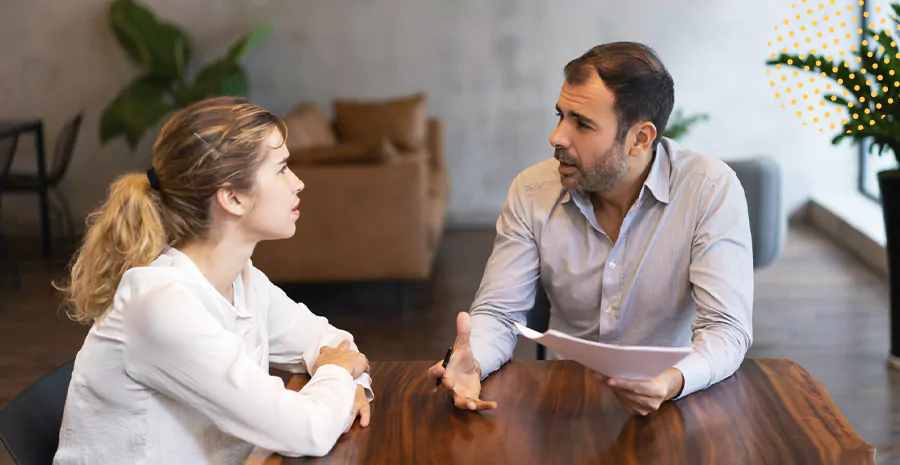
x: 153, y: 178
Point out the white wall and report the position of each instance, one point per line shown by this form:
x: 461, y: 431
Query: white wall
x: 492, y: 70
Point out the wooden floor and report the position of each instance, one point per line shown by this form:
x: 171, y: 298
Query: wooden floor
x: 816, y: 305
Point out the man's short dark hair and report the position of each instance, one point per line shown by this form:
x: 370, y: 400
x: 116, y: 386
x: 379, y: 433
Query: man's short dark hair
x: 643, y: 88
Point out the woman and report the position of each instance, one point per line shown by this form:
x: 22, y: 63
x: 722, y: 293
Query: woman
x: 175, y: 366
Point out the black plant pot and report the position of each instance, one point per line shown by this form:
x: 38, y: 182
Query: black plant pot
x: 889, y: 182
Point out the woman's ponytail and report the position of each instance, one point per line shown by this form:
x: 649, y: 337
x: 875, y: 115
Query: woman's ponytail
x: 125, y: 232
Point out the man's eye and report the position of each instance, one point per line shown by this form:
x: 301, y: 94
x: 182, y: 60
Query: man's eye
x: 282, y: 170
x: 582, y: 125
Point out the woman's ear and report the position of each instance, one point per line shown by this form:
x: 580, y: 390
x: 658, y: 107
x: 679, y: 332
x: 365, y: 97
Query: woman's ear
x: 231, y: 201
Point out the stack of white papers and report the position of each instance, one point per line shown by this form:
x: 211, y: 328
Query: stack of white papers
x: 629, y: 362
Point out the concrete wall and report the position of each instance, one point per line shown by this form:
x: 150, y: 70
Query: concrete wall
x: 492, y: 69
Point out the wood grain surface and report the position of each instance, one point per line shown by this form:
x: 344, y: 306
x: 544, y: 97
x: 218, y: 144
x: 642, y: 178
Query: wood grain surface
x: 770, y: 411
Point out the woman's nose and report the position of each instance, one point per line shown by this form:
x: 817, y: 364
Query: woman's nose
x: 298, y: 184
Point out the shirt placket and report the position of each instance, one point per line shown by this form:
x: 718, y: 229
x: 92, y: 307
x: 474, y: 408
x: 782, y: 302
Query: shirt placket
x: 611, y: 296
x: 246, y: 327
x: 612, y: 285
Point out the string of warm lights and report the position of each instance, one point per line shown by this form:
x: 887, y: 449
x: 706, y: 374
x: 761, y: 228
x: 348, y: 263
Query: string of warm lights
x: 825, y: 31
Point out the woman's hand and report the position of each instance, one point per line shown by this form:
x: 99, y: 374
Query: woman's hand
x: 350, y: 360
x: 361, y: 408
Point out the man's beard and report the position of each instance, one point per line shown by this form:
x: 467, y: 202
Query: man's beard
x: 602, y: 178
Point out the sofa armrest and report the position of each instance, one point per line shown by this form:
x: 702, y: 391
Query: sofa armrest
x: 436, y: 141
x: 357, y: 222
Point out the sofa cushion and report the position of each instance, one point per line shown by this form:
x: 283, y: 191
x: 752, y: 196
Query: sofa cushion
x: 308, y: 127
x: 403, y: 120
x: 347, y: 152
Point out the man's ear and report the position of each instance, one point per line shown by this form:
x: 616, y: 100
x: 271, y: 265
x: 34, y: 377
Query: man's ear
x: 231, y: 201
x: 644, y: 135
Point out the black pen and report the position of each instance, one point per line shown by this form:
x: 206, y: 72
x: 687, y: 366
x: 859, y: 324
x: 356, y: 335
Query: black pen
x: 446, y: 361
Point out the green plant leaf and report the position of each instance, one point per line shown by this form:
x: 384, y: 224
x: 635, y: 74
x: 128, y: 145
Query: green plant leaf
x: 173, y: 63
x: 222, y: 77
x: 159, y: 48
x: 163, y: 51
x: 137, y: 107
x: 837, y: 71
x: 870, y: 94
x: 679, y: 125
x: 237, y: 51
x: 851, y: 79
x: 235, y: 83
x: 123, y: 15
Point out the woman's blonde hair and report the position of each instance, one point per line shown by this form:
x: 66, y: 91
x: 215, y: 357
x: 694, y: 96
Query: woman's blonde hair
x: 209, y: 145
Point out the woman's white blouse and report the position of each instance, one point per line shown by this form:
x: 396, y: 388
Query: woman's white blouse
x: 174, y: 373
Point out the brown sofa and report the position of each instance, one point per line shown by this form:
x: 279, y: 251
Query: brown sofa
x: 373, y: 207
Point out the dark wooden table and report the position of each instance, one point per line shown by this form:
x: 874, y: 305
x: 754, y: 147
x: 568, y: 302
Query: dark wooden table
x: 771, y: 411
x: 35, y: 126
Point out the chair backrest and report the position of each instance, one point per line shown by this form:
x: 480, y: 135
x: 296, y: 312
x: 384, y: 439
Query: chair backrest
x: 7, y: 151
x: 30, y: 422
x: 538, y: 318
x: 761, y: 178
x: 64, y: 149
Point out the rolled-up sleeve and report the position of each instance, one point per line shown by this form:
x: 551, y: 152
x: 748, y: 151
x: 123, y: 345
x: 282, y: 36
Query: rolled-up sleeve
x: 721, y: 275
x: 508, y: 287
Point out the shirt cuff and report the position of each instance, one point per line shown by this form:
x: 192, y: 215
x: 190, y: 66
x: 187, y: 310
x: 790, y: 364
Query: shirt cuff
x: 296, y: 367
x: 332, y: 372
x: 365, y: 381
x: 487, y: 340
x: 695, y: 370
x: 487, y: 367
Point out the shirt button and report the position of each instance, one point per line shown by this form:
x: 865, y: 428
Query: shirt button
x: 608, y: 309
x: 612, y: 265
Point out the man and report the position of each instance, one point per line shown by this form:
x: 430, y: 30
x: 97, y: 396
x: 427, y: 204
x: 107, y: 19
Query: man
x: 636, y: 240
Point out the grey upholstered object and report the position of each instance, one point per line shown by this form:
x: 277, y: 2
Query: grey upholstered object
x: 761, y: 178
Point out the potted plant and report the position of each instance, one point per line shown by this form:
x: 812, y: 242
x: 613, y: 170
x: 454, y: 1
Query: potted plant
x: 680, y: 124
x: 870, y: 90
x: 163, y: 53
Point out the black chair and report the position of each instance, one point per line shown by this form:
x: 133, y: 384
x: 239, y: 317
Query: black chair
x: 7, y: 150
x: 538, y: 318
x: 30, y: 422
x: 62, y: 157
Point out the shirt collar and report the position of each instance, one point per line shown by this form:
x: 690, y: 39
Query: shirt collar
x: 174, y: 257
x: 660, y: 170
x: 657, y: 180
